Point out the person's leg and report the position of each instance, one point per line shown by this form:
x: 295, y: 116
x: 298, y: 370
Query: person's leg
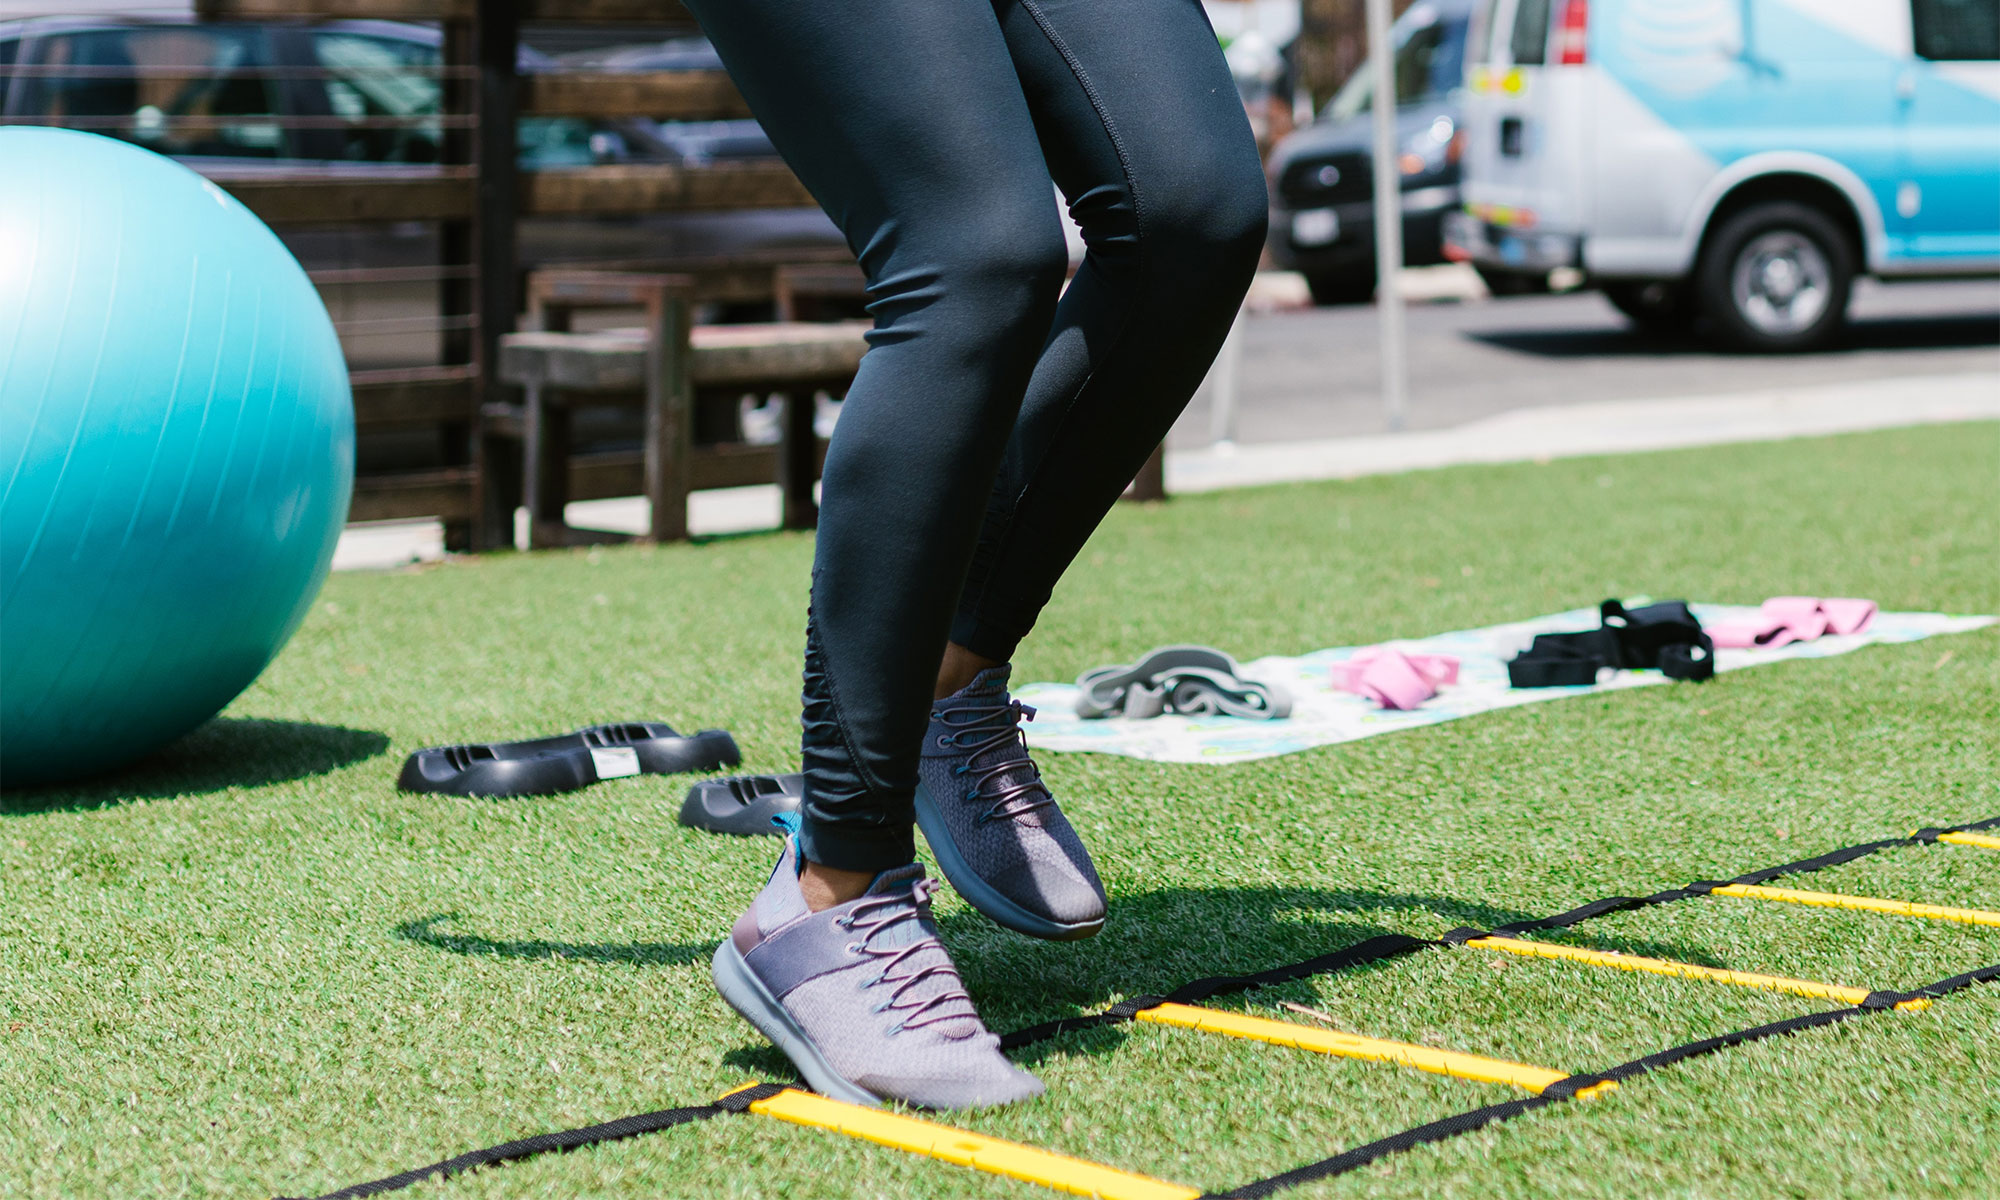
x: 1144, y: 133
x: 1142, y: 129
x: 905, y: 119
x: 907, y: 122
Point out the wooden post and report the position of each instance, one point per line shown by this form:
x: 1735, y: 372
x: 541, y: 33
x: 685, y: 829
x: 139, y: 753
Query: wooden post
x: 798, y: 458
x: 1151, y: 481
x: 669, y: 412
x: 545, y: 464
x: 458, y: 440
x: 496, y: 35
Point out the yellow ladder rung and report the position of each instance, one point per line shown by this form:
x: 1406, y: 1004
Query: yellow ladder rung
x: 966, y: 1149
x: 1971, y: 839
x: 1349, y: 1045
x: 1681, y: 970
x: 1900, y: 908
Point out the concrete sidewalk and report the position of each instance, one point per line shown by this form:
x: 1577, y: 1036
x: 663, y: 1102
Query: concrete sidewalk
x: 1522, y: 435
x: 1604, y: 427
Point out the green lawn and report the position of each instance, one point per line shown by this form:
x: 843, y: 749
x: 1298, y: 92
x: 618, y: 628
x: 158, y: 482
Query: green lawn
x: 252, y: 966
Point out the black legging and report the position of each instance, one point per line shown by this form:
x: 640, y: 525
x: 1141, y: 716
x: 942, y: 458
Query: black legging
x: 990, y: 427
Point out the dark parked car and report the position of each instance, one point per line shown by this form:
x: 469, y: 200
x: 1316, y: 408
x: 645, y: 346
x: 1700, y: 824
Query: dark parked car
x: 1322, y: 213
x: 697, y: 142
x: 198, y: 90
x: 231, y: 96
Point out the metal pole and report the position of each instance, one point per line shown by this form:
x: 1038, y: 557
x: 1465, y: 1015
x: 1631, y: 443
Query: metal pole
x: 1222, y: 394
x: 1388, y: 213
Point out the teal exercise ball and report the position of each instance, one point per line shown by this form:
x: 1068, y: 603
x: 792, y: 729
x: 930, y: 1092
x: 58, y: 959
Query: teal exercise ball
x: 176, y: 451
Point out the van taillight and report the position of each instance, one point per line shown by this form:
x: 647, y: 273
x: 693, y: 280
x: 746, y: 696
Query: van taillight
x: 1573, y: 35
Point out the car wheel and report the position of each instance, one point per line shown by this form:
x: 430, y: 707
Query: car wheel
x: 1776, y: 277
x: 1657, y: 305
x: 1341, y: 287
x: 1512, y: 283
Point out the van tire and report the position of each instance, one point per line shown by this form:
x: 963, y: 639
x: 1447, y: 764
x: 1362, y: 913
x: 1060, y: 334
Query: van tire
x: 1776, y: 250
x: 1502, y: 282
x: 1654, y: 305
x: 1353, y: 286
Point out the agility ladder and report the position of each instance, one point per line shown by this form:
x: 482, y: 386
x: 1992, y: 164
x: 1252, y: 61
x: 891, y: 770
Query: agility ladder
x: 1180, y: 1009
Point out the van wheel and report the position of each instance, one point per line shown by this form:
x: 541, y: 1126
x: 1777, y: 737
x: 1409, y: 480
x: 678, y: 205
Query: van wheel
x: 1356, y: 286
x: 1775, y: 277
x: 1655, y: 305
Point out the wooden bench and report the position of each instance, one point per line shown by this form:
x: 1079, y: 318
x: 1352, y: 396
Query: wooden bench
x: 474, y: 198
x: 662, y: 365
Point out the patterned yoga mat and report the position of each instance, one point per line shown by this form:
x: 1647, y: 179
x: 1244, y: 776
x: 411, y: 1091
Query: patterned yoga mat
x: 1322, y: 716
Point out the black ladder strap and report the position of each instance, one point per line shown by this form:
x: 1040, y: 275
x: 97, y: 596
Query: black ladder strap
x: 1565, y: 1089
x: 568, y: 1139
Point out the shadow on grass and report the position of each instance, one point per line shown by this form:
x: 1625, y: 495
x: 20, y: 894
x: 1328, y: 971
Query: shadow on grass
x: 762, y: 1062
x: 1153, y: 943
x: 227, y: 752
x: 1156, y: 942
x: 1941, y: 332
x: 739, y: 535
x: 646, y: 954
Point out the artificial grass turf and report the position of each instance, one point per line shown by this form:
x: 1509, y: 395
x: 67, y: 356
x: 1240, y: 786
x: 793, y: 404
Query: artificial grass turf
x: 251, y: 966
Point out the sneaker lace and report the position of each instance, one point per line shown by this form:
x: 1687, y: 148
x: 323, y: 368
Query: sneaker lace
x: 925, y: 959
x: 1007, y: 747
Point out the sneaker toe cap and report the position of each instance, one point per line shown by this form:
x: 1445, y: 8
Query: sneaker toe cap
x: 1069, y: 896
x: 1055, y: 876
x: 1000, y: 1082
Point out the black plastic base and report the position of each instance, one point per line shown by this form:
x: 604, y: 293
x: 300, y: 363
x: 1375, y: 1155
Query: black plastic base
x: 563, y: 764
x: 742, y: 804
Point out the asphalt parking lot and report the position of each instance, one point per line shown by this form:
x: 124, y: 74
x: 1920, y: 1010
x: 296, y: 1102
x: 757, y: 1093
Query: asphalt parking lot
x: 1316, y: 373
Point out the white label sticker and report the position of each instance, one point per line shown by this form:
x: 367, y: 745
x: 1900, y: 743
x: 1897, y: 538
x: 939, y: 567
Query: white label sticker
x: 615, y: 762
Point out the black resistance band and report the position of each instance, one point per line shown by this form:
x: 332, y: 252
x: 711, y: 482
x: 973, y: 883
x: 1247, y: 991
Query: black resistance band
x: 1664, y: 637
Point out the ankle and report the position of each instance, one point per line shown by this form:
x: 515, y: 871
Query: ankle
x: 824, y: 887
x: 958, y: 669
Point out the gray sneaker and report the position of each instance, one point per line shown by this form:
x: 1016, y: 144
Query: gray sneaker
x: 993, y: 825
x: 862, y: 996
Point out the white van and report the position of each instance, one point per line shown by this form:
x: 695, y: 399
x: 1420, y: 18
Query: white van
x: 1738, y: 161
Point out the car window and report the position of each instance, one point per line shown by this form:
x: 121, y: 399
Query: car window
x: 1956, y: 30
x: 564, y: 142
x: 174, y: 89
x: 1432, y: 63
x: 1479, y: 33
x: 1530, y: 43
x: 1429, y: 64
x: 389, y: 88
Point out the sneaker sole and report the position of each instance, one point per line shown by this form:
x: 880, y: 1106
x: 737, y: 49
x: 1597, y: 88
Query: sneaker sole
x: 982, y: 895
x: 750, y: 998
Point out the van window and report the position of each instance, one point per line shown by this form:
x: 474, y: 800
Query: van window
x: 174, y: 89
x: 1530, y: 43
x: 1956, y: 30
